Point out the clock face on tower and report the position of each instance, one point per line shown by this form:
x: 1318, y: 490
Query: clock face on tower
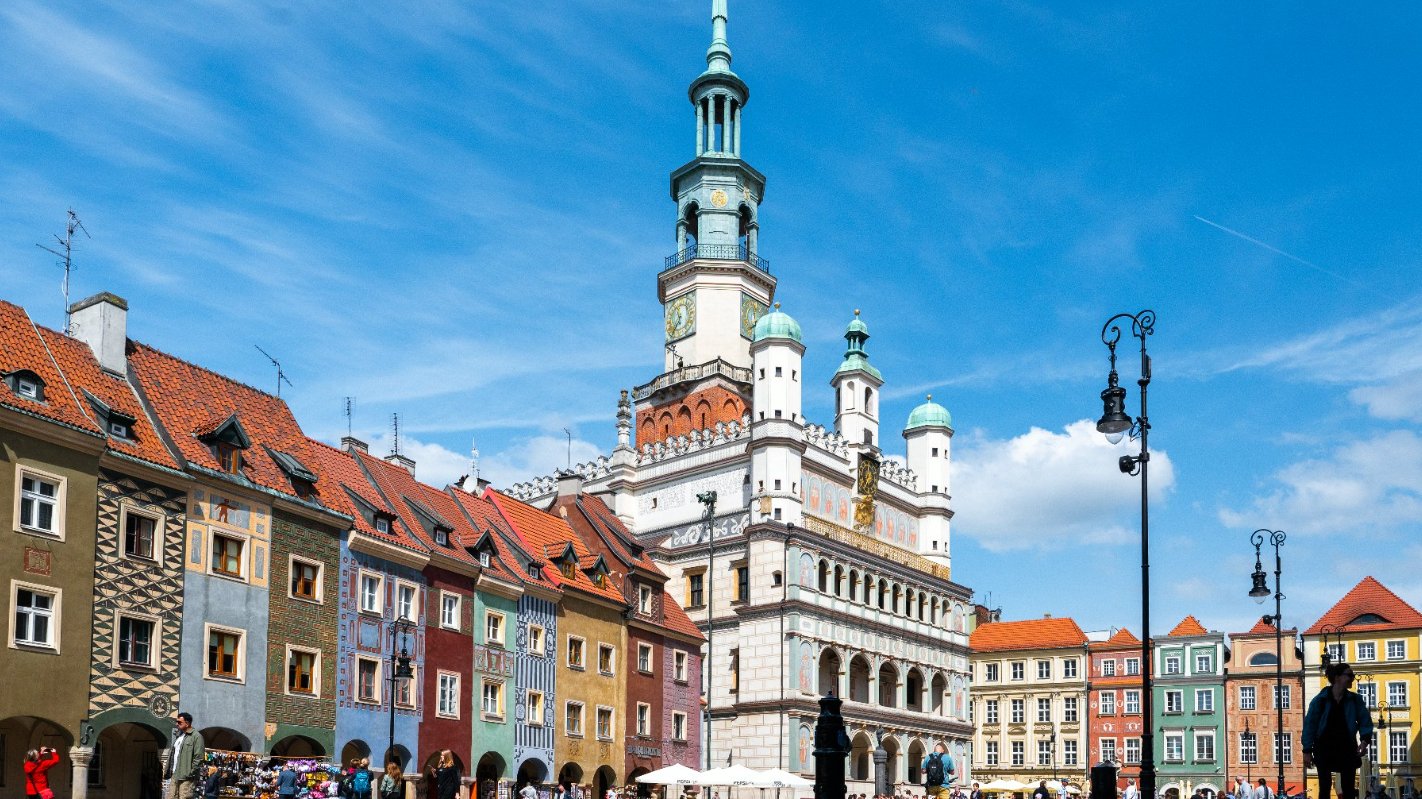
x: 751, y: 312
x: 681, y: 316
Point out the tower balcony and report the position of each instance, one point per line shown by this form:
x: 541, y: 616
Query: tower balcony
x: 717, y: 252
x: 687, y: 374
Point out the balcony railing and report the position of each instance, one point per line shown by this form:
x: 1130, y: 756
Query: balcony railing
x: 718, y: 252
x: 682, y: 374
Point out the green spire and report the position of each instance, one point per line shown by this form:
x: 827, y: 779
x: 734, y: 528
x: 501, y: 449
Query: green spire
x: 855, y: 358
x: 718, y: 55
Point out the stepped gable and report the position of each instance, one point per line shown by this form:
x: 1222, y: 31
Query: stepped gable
x: 1369, y: 606
x: 1122, y: 639
x: 23, y: 346
x: 191, y: 401
x: 341, y: 467
x: 1188, y: 627
x: 406, y: 498
x: 543, y: 532
x: 1002, y: 636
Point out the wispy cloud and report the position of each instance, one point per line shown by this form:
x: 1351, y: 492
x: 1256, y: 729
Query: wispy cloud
x: 1288, y: 255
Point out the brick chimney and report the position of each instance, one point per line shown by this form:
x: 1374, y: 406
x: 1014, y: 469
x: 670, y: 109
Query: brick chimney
x: 101, y: 321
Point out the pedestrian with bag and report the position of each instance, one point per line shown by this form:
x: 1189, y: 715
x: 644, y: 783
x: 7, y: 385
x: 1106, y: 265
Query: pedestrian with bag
x: 937, y: 772
x: 37, y: 763
x: 359, y: 783
x: 1337, y: 731
x: 286, y: 781
x: 185, y: 759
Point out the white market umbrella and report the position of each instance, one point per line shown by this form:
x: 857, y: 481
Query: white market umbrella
x: 1014, y: 785
x: 676, y: 774
x: 1000, y: 785
x: 780, y: 778
x: 730, y: 775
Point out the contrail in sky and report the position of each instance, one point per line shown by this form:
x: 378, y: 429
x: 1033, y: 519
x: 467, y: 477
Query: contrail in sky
x: 1290, y: 256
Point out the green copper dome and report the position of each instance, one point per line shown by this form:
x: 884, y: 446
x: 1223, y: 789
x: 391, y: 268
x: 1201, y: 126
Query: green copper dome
x: 929, y: 414
x: 855, y: 358
x: 777, y: 324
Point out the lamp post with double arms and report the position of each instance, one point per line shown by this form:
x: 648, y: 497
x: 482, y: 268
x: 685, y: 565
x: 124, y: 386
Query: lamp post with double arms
x: 1260, y: 592
x: 400, y: 671
x: 1115, y: 424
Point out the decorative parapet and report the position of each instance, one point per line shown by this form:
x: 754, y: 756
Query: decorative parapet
x: 898, y: 474
x: 676, y: 446
x: 685, y: 374
x: 874, y: 546
x: 828, y: 440
x: 597, y: 468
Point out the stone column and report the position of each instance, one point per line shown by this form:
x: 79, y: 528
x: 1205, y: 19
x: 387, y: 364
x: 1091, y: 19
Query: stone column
x: 412, y: 786
x: 700, y: 128
x: 725, y: 123
x: 79, y: 757
x: 883, y: 781
x: 738, y: 130
x: 710, y: 123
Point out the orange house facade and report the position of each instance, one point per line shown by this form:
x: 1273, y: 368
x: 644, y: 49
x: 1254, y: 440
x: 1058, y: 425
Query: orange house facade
x: 1252, y: 708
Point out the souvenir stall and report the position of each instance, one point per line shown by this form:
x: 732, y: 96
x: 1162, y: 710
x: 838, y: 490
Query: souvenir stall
x: 248, y: 775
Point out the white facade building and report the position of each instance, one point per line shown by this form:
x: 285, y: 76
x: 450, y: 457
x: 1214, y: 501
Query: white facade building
x: 830, y: 565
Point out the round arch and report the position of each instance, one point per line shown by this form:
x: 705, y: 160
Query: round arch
x: 603, y: 779
x: 838, y: 580
x: 126, y: 761
x: 888, y: 684
x: 487, y: 773
x: 936, y: 692
x: 913, y: 691
x: 859, y: 679
x: 225, y: 738
x: 829, y: 669
x: 533, y: 771
x: 353, y: 750
x: 571, y: 774
x: 916, y: 753
x: 400, y: 756
x: 861, y: 757
x: 853, y: 585
x: 643, y: 790
x: 298, y: 746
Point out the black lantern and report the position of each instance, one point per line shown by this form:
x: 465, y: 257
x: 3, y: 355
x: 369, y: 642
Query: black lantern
x: 1114, y: 422
x: 1260, y: 591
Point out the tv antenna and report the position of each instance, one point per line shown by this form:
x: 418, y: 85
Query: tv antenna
x: 569, y: 434
x: 281, y: 376
x: 66, y: 258
x: 395, y: 434
x: 474, y: 460
x: 350, y: 407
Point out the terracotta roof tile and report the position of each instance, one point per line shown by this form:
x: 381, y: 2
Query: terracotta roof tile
x: 485, y: 518
x: 1053, y: 633
x: 187, y: 398
x: 24, y: 346
x: 1187, y: 627
x: 1261, y: 628
x: 1369, y: 597
x: 397, y: 486
x: 341, y: 468
x: 539, y: 530
x: 675, y: 618
x: 1123, y: 639
x: 467, y: 533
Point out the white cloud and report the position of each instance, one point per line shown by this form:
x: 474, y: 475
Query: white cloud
x: 1050, y: 490
x: 434, y: 464
x: 1373, y: 485
x: 1398, y: 399
x: 536, y: 456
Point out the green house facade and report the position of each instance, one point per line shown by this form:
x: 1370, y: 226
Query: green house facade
x: 1190, y: 711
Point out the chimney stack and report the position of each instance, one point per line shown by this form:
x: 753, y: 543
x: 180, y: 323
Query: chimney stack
x: 101, y: 321
x: 353, y: 444
x: 401, y: 461
x: 570, y: 483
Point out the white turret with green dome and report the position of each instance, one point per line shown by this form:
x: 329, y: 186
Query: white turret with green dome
x: 929, y: 438
x: 777, y: 423
x: 856, y: 388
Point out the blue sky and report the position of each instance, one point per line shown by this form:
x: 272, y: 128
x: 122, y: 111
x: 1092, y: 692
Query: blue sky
x: 457, y: 211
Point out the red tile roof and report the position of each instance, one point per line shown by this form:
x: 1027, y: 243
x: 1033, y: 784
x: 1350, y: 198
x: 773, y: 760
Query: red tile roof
x: 1052, y: 633
x: 24, y: 346
x: 341, y: 468
x: 188, y: 400
x: 1123, y: 639
x: 1369, y: 597
x: 398, y: 487
x: 1261, y: 628
x: 486, y: 519
x: 676, y: 620
x: 1187, y: 627
x: 541, y: 531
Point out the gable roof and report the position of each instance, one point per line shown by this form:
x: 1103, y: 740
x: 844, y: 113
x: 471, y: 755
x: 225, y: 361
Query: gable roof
x: 1188, y: 626
x: 541, y: 531
x: 192, y: 403
x: 24, y: 346
x: 1001, y: 636
x: 1263, y: 628
x: 1122, y: 639
x: 397, y: 487
x: 341, y: 468
x: 1369, y: 597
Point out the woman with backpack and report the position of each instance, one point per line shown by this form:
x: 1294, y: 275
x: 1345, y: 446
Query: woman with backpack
x: 360, y: 781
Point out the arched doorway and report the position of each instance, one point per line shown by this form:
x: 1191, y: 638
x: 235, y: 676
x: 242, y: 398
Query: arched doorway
x: 487, y: 773
x: 861, y: 758
x: 399, y: 755
x: 302, y: 746
x: 888, y: 685
x: 916, y: 754
x: 891, y: 765
x: 935, y: 694
x: 225, y: 738
x: 913, y: 691
x: 603, y: 779
x: 126, y: 764
x: 859, y: 679
x: 644, y: 791
x: 570, y: 774
x: 354, y: 749
x: 532, y: 770
x: 829, y: 672
x: 22, y: 733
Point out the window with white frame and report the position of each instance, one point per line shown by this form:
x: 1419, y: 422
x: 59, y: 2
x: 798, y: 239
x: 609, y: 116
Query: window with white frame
x: 1283, y: 700
x: 449, y: 610
x: 991, y: 753
x: 1174, y: 701
x: 536, y: 644
x: 1205, y: 700
x: 1369, y: 692
x: 1204, y: 663
x: 1044, y: 669
x: 367, y: 680
x: 1133, y: 751
x: 1175, y: 747
x: 1019, y: 670
x: 1069, y: 710
x: 1248, y: 697
x: 493, y: 628
x: 990, y: 672
x: 1069, y: 752
x: 1337, y: 652
x: 573, y: 719
x: 405, y: 689
x: 644, y: 599
x: 576, y: 657
x: 1108, y: 703
x: 372, y: 593
x: 406, y: 601
x: 1249, y: 748
x: 535, y: 709
x: 1108, y: 668
x: 305, y: 582
x: 140, y: 534
x: 135, y: 642
x: 1069, y: 667
x: 606, y: 659
x: 1019, y: 753
x: 40, y: 500
x: 1284, y: 747
x: 678, y: 726
x: 1044, y: 709
x: 1396, y: 650
x: 226, y: 651
x: 990, y: 711
x: 679, y: 662
x: 1133, y: 702
x: 1108, y: 750
x: 36, y: 621
x: 1367, y: 650
x: 1133, y: 666
x: 303, y: 671
x: 1172, y: 664
x: 447, y: 705
x: 1019, y: 711
x: 1204, y: 747
x: 229, y: 556
x: 1044, y: 753
x: 491, y: 699
x: 1397, y: 747
x: 644, y: 658
x: 644, y: 719
x: 1397, y: 694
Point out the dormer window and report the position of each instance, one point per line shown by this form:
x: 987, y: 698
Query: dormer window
x: 599, y: 579
x: 441, y: 536
x: 484, y: 558
x: 382, y: 524
x: 229, y: 457
x: 26, y: 384
x: 120, y: 430
x: 303, y: 480
x: 535, y: 572
x: 569, y: 568
x: 227, y: 440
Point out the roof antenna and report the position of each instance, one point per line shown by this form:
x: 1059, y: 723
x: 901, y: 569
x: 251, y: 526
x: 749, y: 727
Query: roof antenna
x: 66, y: 257
x: 569, y: 434
x: 350, y: 406
x: 395, y: 437
x: 474, y: 460
x: 281, y: 376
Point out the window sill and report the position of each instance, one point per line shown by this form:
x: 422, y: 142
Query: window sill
x: 235, y: 578
x: 577, y: 667
x: 302, y: 694
x: 494, y: 717
x: 607, y: 673
x: 229, y: 679
x: 38, y: 532
x: 307, y: 599
x: 369, y: 612
x: 146, y: 668
x: 447, y: 716
x: 571, y: 734
x: 40, y: 649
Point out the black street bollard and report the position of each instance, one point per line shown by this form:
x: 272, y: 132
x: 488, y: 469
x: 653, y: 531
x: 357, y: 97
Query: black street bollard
x: 831, y: 748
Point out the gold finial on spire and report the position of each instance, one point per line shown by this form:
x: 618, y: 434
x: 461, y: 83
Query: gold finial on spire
x: 856, y: 311
x: 777, y: 306
x: 930, y: 397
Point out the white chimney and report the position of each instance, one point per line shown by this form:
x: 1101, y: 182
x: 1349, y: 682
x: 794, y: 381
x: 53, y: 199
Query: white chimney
x: 101, y: 321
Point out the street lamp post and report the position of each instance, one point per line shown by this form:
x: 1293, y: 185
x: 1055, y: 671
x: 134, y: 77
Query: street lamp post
x: 1115, y: 423
x: 399, y: 671
x: 1249, y: 764
x: 1260, y: 592
x: 708, y: 498
x: 1383, y: 745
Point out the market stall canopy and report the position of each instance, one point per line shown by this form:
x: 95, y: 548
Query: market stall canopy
x: 672, y: 775
x: 730, y: 775
x: 780, y: 778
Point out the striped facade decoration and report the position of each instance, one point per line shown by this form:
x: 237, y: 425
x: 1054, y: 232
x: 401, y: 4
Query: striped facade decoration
x: 535, y: 672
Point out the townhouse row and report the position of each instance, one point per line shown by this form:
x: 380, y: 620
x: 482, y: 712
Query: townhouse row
x: 178, y: 543
x: 1049, y: 700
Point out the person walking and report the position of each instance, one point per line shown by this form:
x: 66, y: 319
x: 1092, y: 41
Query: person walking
x: 1242, y: 789
x: 38, y: 762
x: 937, y: 772
x: 1041, y: 792
x: 445, y: 778
x: 1337, y: 731
x: 392, y: 782
x: 212, y: 783
x: 360, y: 782
x: 1263, y: 792
x: 185, y: 759
x: 528, y: 791
x: 1132, y: 792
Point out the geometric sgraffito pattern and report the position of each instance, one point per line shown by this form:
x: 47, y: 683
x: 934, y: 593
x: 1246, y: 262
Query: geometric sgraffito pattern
x: 151, y: 590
